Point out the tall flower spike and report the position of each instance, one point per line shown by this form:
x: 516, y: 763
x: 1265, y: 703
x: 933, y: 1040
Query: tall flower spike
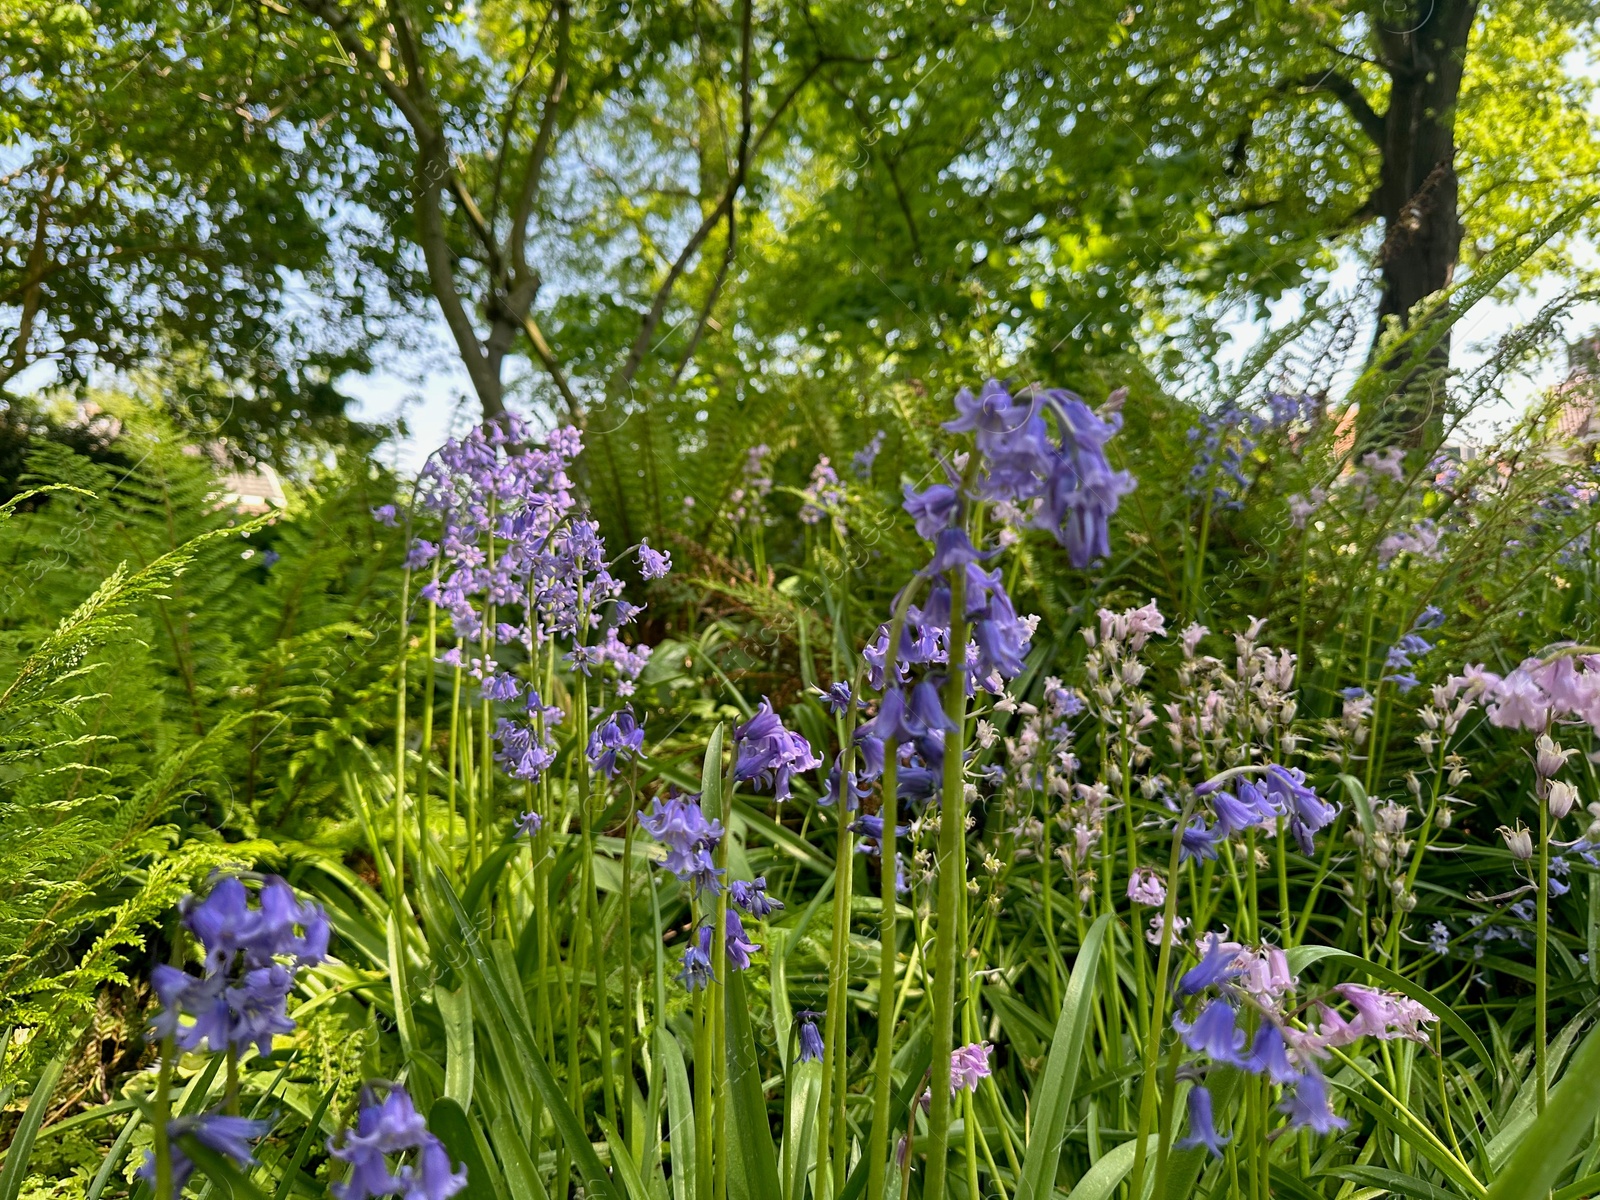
x: 769, y: 754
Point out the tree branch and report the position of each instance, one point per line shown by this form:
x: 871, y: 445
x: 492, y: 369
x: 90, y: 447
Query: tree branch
x: 1346, y: 92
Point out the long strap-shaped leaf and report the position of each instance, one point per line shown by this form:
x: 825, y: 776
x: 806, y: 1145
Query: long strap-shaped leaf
x: 1541, y: 1156
x: 1053, y: 1097
x: 481, y: 974
x: 755, y: 1165
x: 21, y: 1148
x: 1101, y: 1181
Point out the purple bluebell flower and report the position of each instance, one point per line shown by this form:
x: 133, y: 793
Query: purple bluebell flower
x: 1431, y: 617
x: 1202, y: 1125
x: 864, y: 458
x: 1307, y: 812
x: 969, y: 1066
x: 1214, y: 1033
x: 1215, y: 967
x: 678, y: 823
x: 1198, y: 842
x: 618, y: 736
x: 697, y: 972
x: 1082, y: 491
x: 837, y: 698
x: 926, y: 712
x: 933, y: 510
x: 768, y: 754
x: 1307, y: 1106
x: 893, y: 720
x: 1269, y: 1055
x: 871, y: 750
x: 740, y: 947
x: 217, y: 1132
x: 392, y: 1127
x: 1245, y: 806
x: 810, y: 1035
x: 528, y: 824
x: 499, y: 685
x: 751, y: 895
x: 857, y: 791
x: 653, y: 563
x: 421, y: 553
x: 952, y: 550
x: 385, y: 514
x: 241, y: 999
x: 872, y: 827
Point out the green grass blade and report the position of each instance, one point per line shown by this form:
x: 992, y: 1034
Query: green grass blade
x: 622, y: 1162
x: 302, y: 1151
x: 480, y: 971
x: 522, y: 1174
x: 1541, y: 1156
x: 680, y: 1114
x: 711, y: 778
x: 466, y: 1144
x: 21, y: 1148
x: 1101, y: 1181
x: 755, y: 1165
x: 1393, y: 1182
x: 1052, y: 1100
x: 455, y: 1008
x: 114, y: 1157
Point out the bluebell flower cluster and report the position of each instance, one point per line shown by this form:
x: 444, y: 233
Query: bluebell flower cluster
x: 678, y: 823
x: 391, y: 1127
x: 1411, y: 645
x: 1223, y: 441
x: 751, y: 895
x: 864, y: 458
x: 824, y: 496
x: 241, y: 999
x: 1254, y: 985
x: 514, y: 540
x: 1069, y: 484
x: 616, y: 741
x: 748, y: 501
x: 1282, y: 792
x: 769, y: 755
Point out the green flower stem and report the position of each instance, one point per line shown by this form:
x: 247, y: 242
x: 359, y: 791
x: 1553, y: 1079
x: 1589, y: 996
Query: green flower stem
x: 833, y: 1078
x: 163, y: 1115
x: 1158, y: 1001
x: 452, y: 770
x: 1541, y: 981
x: 948, y: 939
x: 702, y: 1095
x: 403, y: 674
x: 725, y: 1115
x: 634, y: 1135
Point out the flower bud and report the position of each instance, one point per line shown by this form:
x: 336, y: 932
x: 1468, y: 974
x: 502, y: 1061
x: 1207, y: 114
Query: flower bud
x: 1563, y: 798
x: 1519, y: 841
x: 1548, y: 758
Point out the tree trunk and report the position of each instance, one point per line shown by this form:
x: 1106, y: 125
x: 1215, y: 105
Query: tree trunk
x: 1418, y: 192
x: 1424, y: 51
